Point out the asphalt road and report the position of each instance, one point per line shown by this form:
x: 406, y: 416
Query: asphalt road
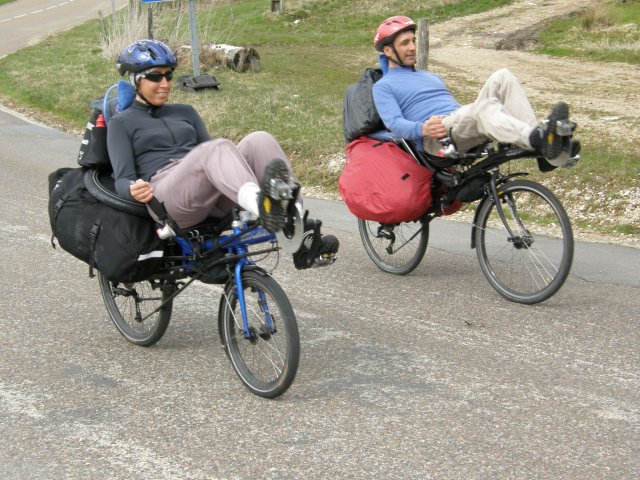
x: 27, y: 22
x: 432, y: 375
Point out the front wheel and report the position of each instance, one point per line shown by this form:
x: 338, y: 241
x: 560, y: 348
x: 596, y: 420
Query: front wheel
x: 130, y: 306
x: 396, y: 249
x: 265, y: 353
x: 530, y: 264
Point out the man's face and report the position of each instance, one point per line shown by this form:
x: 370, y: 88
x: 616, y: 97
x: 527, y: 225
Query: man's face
x: 405, y: 45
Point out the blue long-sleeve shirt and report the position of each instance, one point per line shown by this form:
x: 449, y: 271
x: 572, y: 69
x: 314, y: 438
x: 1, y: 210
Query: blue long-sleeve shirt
x: 142, y: 140
x: 406, y: 98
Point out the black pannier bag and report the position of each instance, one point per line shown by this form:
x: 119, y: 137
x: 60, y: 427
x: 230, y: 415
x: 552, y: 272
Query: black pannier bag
x: 359, y: 114
x: 124, y: 247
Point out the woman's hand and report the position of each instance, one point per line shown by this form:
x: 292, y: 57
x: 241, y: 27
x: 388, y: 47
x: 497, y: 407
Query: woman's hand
x: 434, y: 128
x: 141, y: 191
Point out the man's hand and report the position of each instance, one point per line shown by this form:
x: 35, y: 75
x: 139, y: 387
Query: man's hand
x: 434, y: 128
x: 141, y: 191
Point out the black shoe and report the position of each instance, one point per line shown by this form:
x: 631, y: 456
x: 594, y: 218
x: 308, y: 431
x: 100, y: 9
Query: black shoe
x: 317, y: 250
x: 275, y: 193
x: 575, y: 148
x: 555, y: 132
x: 565, y: 160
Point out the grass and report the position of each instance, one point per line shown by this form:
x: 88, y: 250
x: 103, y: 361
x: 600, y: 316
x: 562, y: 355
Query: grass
x: 609, y: 32
x: 306, y: 67
x: 309, y: 54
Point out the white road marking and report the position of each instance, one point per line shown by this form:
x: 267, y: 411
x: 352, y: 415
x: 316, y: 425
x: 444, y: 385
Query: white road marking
x: 35, y: 12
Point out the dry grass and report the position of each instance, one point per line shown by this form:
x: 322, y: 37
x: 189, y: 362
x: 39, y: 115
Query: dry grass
x: 596, y: 17
x: 369, y: 7
x: 170, y: 23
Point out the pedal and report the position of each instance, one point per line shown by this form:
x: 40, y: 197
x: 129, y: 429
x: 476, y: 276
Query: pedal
x: 574, y: 154
x: 572, y: 161
x: 317, y: 250
x: 565, y: 128
x: 324, y: 261
x: 279, y: 189
x: 328, y: 247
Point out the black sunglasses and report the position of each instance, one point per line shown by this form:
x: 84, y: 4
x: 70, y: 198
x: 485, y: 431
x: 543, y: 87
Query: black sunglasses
x: 157, y: 77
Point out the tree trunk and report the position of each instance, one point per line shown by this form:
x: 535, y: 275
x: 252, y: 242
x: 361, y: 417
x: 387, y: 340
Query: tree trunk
x: 239, y: 59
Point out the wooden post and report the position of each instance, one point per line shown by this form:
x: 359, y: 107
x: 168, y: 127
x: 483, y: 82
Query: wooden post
x: 150, y: 23
x: 276, y: 5
x: 423, y: 44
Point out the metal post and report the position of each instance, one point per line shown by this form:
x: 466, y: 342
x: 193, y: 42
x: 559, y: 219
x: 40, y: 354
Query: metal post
x: 197, y: 82
x: 423, y: 43
x: 195, y: 47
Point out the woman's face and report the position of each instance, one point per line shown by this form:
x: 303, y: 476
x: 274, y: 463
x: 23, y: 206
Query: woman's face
x: 155, y: 86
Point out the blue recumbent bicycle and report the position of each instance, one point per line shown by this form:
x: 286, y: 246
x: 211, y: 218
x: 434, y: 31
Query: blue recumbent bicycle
x: 257, y: 324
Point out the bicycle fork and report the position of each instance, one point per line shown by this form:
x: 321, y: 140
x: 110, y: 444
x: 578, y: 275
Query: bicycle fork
x: 519, y: 241
x: 268, y: 327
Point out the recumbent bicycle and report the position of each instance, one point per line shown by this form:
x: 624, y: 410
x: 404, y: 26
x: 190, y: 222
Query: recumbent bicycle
x: 256, y: 322
x: 521, y: 232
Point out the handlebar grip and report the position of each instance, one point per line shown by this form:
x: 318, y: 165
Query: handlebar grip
x: 158, y: 208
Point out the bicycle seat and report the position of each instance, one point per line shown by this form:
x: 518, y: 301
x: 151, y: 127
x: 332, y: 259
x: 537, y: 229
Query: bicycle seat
x: 448, y: 158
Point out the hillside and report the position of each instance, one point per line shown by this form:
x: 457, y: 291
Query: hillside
x: 601, y: 96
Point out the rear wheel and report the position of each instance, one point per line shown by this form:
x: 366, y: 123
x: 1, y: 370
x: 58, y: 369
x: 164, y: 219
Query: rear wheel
x: 397, y: 248
x: 265, y: 355
x: 130, y: 306
x: 530, y: 265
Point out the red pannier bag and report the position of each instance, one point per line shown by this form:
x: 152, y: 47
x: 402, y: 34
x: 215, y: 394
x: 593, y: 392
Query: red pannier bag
x: 383, y: 183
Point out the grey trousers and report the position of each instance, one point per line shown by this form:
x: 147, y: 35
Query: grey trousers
x: 206, y: 181
x: 502, y: 112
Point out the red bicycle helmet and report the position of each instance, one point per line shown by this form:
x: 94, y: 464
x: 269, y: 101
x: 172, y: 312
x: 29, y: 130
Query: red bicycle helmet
x: 389, y: 29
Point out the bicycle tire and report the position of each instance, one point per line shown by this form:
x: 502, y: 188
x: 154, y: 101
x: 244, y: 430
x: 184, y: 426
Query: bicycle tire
x: 267, y: 361
x: 128, y: 304
x: 533, y: 265
x: 380, y: 241
x: 101, y: 186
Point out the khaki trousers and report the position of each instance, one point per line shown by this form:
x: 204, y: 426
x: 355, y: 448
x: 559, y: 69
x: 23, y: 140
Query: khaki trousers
x: 502, y: 112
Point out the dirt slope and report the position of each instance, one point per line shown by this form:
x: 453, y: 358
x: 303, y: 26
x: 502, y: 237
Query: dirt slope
x: 604, y: 98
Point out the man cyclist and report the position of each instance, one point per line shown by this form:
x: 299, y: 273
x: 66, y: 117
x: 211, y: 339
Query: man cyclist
x: 416, y: 105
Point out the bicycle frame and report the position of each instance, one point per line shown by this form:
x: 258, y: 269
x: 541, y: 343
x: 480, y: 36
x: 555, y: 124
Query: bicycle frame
x: 504, y: 227
x: 490, y: 163
x: 234, y: 246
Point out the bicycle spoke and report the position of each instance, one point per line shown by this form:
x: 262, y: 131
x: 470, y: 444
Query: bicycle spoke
x: 266, y: 360
x: 396, y: 249
x: 526, y: 255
